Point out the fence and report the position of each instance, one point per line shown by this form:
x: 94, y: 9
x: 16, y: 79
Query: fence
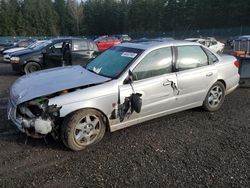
x: 220, y: 33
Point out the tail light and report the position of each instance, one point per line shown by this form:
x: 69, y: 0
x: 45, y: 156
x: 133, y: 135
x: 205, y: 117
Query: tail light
x: 237, y: 64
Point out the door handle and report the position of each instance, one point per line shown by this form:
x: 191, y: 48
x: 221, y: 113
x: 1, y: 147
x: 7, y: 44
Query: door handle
x: 209, y: 74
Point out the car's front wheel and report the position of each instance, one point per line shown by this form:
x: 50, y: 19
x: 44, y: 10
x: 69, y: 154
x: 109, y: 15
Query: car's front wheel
x: 83, y: 128
x: 31, y: 67
x: 215, y: 97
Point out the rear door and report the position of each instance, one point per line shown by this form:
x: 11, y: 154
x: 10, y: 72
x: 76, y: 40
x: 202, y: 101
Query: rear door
x: 195, y: 74
x: 81, y: 52
x: 153, y: 80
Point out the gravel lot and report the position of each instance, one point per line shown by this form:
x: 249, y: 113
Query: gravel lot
x: 188, y: 149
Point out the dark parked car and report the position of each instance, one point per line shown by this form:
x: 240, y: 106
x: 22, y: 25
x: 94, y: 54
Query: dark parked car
x: 7, y: 43
x: 54, y: 53
x: 21, y: 43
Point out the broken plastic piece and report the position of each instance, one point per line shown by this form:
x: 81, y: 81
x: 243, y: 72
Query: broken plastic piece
x: 42, y: 126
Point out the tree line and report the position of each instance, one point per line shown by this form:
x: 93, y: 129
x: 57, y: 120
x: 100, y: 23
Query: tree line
x: 98, y: 17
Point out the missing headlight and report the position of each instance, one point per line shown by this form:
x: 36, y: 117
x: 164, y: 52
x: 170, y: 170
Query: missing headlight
x: 38, y: 117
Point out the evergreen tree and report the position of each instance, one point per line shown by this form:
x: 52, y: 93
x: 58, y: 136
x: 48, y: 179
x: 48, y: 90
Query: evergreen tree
x: 98, y: 17
x: 61, y: 10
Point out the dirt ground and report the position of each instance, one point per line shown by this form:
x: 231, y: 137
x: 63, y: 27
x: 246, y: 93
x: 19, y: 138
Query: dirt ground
x: 188, y: 149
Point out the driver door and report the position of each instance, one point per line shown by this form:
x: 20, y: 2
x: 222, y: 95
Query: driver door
x: 53, y: 56
x: 153, y: 79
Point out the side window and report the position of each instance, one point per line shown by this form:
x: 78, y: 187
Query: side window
x: 212, y: 58
x: 56, y: 48
x: 57, y: 45
x: 213, y: 43
x: 155, y: 63
x: 80, y: 45
x: 190, y: 57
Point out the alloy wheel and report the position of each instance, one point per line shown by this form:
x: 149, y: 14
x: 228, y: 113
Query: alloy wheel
x: 215, y: 96
x: 87, y: 130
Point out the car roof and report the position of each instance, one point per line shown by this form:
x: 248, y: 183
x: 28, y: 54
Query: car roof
x: 154, y: 44
x: 66, y: 38
x: 196, y: 39
x: 244, y: 37
x: 192, y: 38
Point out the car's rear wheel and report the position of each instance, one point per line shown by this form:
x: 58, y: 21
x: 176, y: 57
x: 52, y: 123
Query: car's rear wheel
x: 82, y: 129
x: 215, y: 97
x: 31, y: 67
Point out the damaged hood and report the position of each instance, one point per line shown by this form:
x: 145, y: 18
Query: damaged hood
x: 50, y: 81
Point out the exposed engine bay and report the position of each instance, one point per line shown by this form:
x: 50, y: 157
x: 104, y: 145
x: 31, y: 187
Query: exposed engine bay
x: 37, y: 117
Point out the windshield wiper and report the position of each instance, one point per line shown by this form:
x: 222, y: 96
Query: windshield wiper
x: 90, y: 70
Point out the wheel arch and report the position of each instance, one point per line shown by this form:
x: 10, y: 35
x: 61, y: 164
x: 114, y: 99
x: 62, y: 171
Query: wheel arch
x: 223, y: 82
x: 30, y: 61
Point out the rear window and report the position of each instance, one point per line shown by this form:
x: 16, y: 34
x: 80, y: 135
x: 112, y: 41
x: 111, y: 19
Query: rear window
x: 212, y: 58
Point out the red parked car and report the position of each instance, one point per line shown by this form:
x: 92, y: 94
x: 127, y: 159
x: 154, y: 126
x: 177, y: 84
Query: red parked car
x: 105, y: 42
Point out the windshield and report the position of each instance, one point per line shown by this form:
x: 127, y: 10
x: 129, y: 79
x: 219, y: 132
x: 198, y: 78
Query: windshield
x: 113, y: 61
x: 42, y: 45
x: 35, y: 44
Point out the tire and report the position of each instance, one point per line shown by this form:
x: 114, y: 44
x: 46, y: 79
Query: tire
x: 215, y: 97
x: 31, y: 67
x: 82, y: 129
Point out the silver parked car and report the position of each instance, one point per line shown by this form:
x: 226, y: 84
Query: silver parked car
x: 126, y: 85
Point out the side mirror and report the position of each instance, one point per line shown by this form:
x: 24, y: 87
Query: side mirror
x: 44, y: 51
x: 130, y: 78
x: 136, y: 102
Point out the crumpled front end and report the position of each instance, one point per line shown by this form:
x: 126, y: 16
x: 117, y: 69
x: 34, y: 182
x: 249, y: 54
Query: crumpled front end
x: 35, y: 118
x: 29, y: 106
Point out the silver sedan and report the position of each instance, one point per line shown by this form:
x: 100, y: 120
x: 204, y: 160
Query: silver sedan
x: 126, y: 85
